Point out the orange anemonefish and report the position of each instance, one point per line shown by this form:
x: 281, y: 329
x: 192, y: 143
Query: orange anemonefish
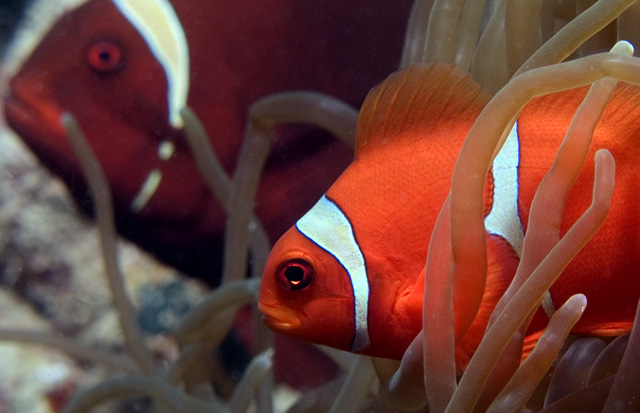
x: 350, y: 273
x: 125, y: 83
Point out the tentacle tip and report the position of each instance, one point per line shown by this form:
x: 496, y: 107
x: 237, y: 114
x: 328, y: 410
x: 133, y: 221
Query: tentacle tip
x: 266, y: 357
x: 623, y: 47
x: 604, y: 156
x: 580, y: 300
x: 66, y: 118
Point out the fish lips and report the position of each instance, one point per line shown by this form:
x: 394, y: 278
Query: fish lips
x: 279, y: 318
x: 31, y: 115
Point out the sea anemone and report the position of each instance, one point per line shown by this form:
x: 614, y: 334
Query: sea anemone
x: 513, y: 49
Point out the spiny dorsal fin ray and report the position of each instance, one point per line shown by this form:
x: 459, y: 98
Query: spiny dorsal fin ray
x: 416, y: 99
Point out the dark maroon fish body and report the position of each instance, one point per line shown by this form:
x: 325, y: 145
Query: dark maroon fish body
x: 95, y: 65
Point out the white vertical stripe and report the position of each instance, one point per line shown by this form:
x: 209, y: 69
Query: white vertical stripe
x: 327, y: 226
x: 503, y: 220
x: 166, y: 149
x: 160, y: 27
x: 149, y: 187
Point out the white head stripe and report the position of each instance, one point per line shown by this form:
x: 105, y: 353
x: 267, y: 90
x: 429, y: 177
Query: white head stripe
x: 327, y: 226
x: 503, y: 219
x: 158, y: 24
x: 149, y: 187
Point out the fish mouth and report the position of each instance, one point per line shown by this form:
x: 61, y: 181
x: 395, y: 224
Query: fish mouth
x: 31, y: 115
x: 279, y: 318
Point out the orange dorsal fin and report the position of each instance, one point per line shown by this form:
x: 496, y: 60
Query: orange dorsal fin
x: 618, y: 125
x: 417, y: 99
x: 623, y: 111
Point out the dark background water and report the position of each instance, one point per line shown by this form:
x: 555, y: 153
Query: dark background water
x: 10, y: 14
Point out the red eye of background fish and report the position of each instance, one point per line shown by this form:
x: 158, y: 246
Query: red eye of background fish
x: 105, y: 56
x: 295, y: 274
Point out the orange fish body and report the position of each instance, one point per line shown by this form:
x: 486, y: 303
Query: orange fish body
x: 94, y: 64
x: 350, y: 273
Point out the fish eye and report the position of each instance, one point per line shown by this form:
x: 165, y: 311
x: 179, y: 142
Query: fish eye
x: 105, y: 56
x: 295, y: 274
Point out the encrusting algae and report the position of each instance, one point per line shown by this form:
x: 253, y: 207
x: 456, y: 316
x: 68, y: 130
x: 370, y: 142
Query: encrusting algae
x: 515, y: 54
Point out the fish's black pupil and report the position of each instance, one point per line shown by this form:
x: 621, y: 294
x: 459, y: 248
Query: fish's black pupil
x: 294, y: 274
x: 105, y: 55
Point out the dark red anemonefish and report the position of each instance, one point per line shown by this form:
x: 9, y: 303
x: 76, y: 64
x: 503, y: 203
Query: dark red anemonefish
x: 350, y: 273
x: 94, y: 64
